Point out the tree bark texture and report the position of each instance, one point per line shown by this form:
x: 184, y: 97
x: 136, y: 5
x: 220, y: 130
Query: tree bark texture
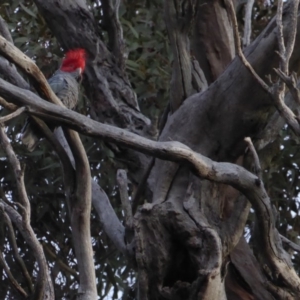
x: 189, y: 240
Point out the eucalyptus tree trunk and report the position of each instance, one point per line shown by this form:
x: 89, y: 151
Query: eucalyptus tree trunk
x: 187, y: 242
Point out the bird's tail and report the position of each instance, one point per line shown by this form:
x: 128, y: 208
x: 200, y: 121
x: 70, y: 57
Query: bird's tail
x: 30, y: 137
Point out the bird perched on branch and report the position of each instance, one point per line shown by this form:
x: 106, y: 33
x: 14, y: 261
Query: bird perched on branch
x: 64, y: 84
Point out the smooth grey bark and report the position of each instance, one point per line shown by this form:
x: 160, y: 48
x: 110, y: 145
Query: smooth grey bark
x: 213, y: 123
x: 169, y: 217
x: 79, y: 194
x: 212, y: 41
x: 107, y: 216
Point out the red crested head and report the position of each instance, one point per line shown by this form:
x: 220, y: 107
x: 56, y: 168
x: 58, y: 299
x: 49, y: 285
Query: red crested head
x: 74, y: 59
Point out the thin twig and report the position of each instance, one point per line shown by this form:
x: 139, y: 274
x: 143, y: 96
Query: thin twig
x: 238, y: 47
x: 123, y: 188
x: 16, y: 113
x: 11, y: 278
x: 258, y: 171
x: 18, y: 258
x: 291, y: 244
x: 80, y: 205
x: 63, y: 266
x: 23, y: 223
x: 8, y: 105
x: 114, y: 29
x: 277, y: 91
x: 18, y: 173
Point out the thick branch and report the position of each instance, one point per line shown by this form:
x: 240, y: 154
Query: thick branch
x: 212, y: 41
x: 80, y: 205
x: 227, y: 173
x: 178, y: 18
x: 108, y: 218
x: 80, y: 210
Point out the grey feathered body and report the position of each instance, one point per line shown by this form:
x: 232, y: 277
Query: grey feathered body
x: 66, y: 88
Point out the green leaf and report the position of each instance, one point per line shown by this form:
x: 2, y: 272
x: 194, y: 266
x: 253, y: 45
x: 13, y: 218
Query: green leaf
x: 28, y: 11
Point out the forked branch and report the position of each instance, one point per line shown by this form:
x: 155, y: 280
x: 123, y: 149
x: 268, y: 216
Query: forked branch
x: 44, y: 287
x: 250, y: 185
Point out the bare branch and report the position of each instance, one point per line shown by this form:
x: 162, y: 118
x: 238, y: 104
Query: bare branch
x: 114, y: 29
x: 234, y: 175
x: 80, y: 206
x: 278, y: 292
x: 4, y: 30
x: 8, y: 105
x: 80, y: 210
x: 291, y: 244
x: 248, y: 23
x: 18, y: 258
x: 258, y: 170
x: 108, y: 218
x: 291, y: 82
x: 280, y: 39
x: 16, y: 113
x: 13, y: 54
x: 285, y: 51
x: 115, y: 232
x: 63, y: 266
x: 10, y: 73
x: 142, y: 184
x: 123, y: 186
x: 44, y: 285
x: 238, y: 47
x: 11, y: 278
x: 18, y: 174
x: 277, y: 91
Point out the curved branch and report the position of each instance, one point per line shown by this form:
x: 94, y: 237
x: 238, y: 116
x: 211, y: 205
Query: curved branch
x: 4, y: 31
x: 63, y: 266
x: 11, y: 278
x: 18, y: 258
x: 108, y: 218
x: 250, y: 185
x: 44, y: 287
x: 80, y: 205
